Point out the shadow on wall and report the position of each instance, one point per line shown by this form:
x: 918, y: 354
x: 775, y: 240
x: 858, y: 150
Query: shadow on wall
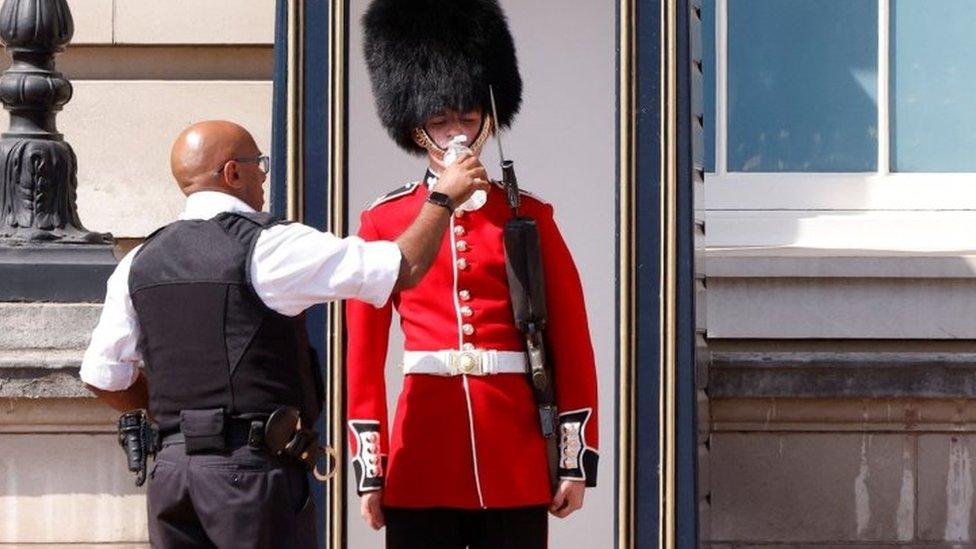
x: 36, y: 464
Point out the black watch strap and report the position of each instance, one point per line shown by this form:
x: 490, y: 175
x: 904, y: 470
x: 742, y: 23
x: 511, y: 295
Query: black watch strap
x: 441, y: 199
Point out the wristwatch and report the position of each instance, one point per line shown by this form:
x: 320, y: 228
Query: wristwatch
x: 441, y: 199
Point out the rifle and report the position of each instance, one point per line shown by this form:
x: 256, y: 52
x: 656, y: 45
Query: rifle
x: 523, y: 265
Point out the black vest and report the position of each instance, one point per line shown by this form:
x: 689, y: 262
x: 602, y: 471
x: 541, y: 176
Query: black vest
x: 208, y: 341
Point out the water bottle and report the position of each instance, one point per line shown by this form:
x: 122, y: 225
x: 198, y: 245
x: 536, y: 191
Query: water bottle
x: 455, y: 149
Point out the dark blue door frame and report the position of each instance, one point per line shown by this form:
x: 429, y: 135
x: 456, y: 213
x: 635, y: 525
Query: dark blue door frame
x: 315, y: 167
x: 661, y: 127
x: 279, y: 139
x: 690, y: 174
x: 640, y: 22
x: 646, y: 271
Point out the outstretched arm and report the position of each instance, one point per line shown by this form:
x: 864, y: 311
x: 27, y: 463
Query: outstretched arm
x: 295, y: 266
x: 421, y: 242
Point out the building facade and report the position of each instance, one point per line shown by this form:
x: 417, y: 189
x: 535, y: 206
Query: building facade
x: 840, y: 276
x: 835, y: 401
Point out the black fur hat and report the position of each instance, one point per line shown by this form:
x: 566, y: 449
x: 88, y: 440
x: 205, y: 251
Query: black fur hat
x: 425, y: 56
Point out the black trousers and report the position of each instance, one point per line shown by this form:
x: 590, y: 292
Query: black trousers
x: 441, y: 528
x: 240, y: 499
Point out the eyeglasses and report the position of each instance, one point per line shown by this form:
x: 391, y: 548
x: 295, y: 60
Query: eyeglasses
x: 263, y: 161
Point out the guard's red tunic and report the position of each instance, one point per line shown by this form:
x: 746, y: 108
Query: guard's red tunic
x: 468, y: 441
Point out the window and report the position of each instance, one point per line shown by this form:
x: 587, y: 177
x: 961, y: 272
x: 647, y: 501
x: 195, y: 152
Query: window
x: 801, y: 85
x: 933, y: 75
x: 708, y: 80
x: 837, y: 105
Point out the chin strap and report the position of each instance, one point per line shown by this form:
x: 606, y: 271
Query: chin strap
x: 423, y: 139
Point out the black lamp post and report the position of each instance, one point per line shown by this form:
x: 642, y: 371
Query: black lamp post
x: 45, y: 252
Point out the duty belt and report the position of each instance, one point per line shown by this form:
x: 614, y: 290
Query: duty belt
x: 281, y: 433
x: 475, y: 362
x: 238, y: 431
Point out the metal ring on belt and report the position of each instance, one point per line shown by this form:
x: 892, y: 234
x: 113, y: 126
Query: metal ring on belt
x: 477, y: 362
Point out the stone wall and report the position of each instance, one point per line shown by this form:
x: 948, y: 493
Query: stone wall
x: 63, y: 477
x: 841, y: 473
x: 142, y: 70
x: 841, y: 399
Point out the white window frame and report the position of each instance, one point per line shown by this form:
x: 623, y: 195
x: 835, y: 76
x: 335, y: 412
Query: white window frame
x: 749, y: 194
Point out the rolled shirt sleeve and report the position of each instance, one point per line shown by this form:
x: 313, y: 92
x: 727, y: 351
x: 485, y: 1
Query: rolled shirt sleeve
x: 295, y: 266
x: 111, y: 362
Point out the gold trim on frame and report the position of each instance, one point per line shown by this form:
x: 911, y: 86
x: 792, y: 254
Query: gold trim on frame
x: 667, y: 365
x: 335, y: 520
x: 334, y: 510
x: 626, y: 299
x: 669, y: 270
x: 295, y: 138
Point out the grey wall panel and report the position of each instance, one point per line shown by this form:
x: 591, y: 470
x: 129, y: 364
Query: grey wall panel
x: 563, y: 145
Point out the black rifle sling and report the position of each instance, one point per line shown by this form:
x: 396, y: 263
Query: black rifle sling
x: 523, y: 265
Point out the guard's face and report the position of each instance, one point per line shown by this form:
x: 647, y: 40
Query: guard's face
x: 442, y: 127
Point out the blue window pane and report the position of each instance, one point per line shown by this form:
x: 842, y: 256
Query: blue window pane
x: 708, y: 68
x: 803, y: 85
x: 933, y: 75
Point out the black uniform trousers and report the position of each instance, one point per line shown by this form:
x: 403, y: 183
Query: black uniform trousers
x: 240, y: 499
x: 444, y: 528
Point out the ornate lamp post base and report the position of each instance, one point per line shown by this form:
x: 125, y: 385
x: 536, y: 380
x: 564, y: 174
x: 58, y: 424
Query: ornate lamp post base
x: 46, y: 254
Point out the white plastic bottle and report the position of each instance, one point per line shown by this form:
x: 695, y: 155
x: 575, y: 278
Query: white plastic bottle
x: 455, y: 149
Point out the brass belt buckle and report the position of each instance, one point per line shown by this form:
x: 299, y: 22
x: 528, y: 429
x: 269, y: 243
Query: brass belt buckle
x: 466, y: 362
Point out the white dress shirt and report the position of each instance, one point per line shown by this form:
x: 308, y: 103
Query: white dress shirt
x: 293, y: 267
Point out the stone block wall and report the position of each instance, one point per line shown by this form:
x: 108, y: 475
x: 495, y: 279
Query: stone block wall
x: 144, y: 70
x: 841, y: 399
x: 63, y: 477
x: 141, y: 70
x: 875, y: 473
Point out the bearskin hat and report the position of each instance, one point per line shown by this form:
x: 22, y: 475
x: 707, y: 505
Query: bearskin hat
x: 425, y: 56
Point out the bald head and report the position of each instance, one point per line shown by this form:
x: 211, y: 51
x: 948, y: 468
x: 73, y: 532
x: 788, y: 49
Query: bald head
x: 203, y: 148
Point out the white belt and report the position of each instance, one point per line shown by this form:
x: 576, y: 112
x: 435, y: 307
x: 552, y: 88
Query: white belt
x: 478, y: 362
